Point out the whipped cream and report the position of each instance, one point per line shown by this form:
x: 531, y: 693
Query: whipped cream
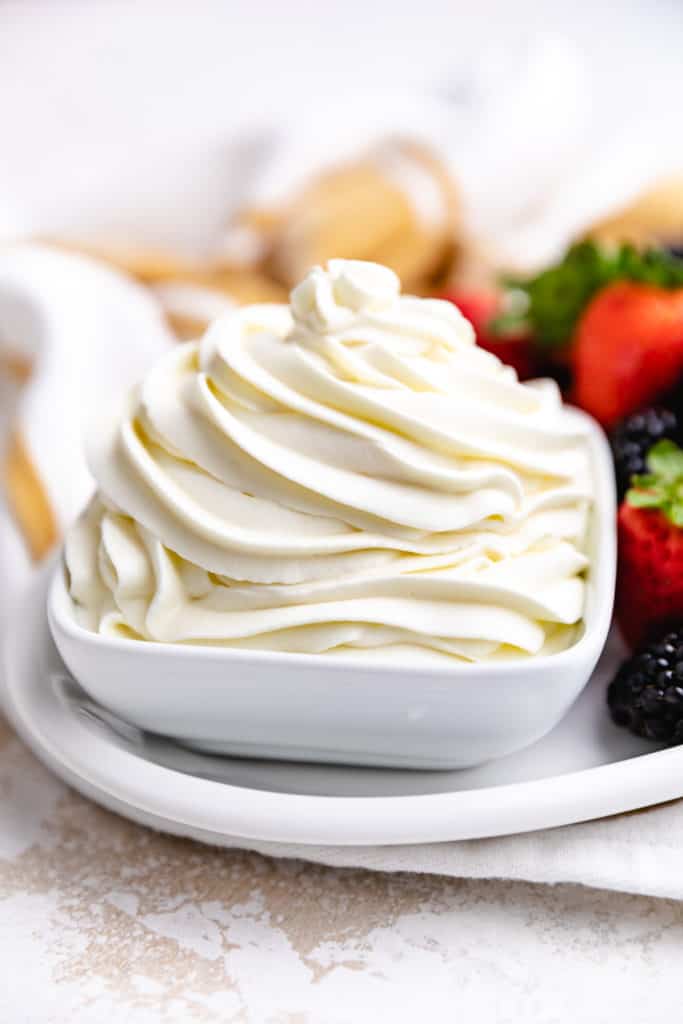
x: 347, y: 474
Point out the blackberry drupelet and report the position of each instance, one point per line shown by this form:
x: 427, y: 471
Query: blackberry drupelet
x: 633, y: 438
x: 646, y: 695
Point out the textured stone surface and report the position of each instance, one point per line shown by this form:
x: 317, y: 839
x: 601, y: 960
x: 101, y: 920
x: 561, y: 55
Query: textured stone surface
x: 102, y: 920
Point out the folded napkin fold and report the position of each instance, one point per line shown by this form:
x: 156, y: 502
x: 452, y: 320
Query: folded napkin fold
x: 638, y: 853
x: 72, y: 331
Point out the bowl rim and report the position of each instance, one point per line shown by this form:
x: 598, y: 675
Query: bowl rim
x: 596, y: 621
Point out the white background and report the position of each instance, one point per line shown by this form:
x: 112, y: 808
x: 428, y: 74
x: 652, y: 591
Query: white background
x: 112, y: 112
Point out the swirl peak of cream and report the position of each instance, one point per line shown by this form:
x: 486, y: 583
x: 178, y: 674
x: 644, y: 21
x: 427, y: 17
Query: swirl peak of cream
x: 330, y: 298
x: 347, y: 474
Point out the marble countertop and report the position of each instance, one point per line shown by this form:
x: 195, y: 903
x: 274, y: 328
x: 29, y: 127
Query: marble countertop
x: 103, y: 920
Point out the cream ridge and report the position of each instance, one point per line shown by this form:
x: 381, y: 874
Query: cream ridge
x: 347, y: 474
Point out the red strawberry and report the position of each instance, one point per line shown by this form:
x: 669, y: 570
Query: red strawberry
x: 480, y: 308
x: 650, y: 581
x: 628, y: 348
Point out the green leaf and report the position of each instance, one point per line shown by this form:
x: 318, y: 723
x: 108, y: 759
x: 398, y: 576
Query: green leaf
x: 509, y: 323
x: 675, y: 514
x: 662, y: 487
x: 646, y: 499
x: 556, y: 298
x: 645, y: 481
x: 665, y: 459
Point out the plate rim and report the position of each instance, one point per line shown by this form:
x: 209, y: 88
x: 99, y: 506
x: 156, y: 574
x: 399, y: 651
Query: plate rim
x: 218, y: 812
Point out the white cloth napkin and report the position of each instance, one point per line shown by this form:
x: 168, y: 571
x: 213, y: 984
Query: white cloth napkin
x: 638, y: 852
x: 88, y: 331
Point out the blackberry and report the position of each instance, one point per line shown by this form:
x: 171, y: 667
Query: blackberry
x: 646, y: 695
x: 633, y: 438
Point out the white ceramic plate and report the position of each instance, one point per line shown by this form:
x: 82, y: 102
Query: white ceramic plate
x: 585, y: 768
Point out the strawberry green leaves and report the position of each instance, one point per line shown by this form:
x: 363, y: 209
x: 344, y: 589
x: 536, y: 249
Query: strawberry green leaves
x: 662, y: 486
x: 551, y: 303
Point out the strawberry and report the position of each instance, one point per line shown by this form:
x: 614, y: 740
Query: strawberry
x: 481, y: 308
x: 627, y: 348
x: 650, y: 521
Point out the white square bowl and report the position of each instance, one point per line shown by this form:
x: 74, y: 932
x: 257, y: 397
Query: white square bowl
x: 317, y: 708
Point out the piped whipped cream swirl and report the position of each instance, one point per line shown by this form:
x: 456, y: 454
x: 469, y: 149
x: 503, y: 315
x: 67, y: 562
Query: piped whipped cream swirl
x: 349, y: 473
